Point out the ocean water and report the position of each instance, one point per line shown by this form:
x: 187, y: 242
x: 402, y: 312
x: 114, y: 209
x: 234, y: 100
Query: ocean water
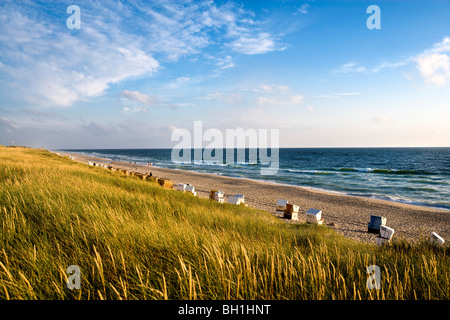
x: 410, y: 175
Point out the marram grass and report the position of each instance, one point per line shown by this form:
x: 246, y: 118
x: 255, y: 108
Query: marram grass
x: 133, y: 239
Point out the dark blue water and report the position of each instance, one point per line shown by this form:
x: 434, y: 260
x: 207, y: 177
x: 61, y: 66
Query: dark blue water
x: 410, y: 175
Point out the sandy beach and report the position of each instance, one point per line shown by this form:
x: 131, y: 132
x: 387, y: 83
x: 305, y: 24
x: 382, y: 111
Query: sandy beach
x: 348, y: 215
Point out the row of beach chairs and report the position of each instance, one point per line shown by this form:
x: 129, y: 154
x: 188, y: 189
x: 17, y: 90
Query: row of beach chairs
x: 378, y: 226
x: 219, y: 196
x: 165, y: 183
x: 291, y: 211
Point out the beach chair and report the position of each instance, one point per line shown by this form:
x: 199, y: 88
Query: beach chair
x: 141, y: 176
x: 181, y: 187
x: 381, y: 241
x: 281, y: 205
x: 436, y: 239
x: 165, y: 183
x: 236, y: 199
x: 385, y: 236
x: 291, y: 211
x: 233, y: 200
x: 386, y: 232
x: 219, y: 196
x: 375, y: 223
x: 191, y: 189
x: 314, y: 216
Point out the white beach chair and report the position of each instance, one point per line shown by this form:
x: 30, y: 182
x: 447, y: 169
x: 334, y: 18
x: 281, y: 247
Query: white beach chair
x: 191, y: 189
x: 219, y: 196
x: 314, y: 216
x: 382, y: 241
x: 236, y: 199
x: 386, y: 232
x: 233, y: 200
x: 281, y: 205
x: 436, y: 239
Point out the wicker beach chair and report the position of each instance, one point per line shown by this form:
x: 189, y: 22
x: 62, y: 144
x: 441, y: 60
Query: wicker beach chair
x: 375, y: 223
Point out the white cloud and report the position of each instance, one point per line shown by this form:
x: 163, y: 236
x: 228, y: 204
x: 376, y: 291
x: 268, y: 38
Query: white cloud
x: 391, y: 65
x: 225, y: 63
x: 304, y: 8
x: 350, y: 67
x: 443, y: 46
x: 139, y: 97
x: 434, y: 68
x: 256, y: 44
x: 178, y: 82
x: 266, y: 87
x: 434, y: 64
x: 134, y: 110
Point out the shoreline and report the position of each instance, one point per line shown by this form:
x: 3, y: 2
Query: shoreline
x: 346, y: 214
x: 382, y: 198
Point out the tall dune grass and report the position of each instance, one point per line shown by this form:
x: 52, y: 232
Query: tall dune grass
x: 133, y: 239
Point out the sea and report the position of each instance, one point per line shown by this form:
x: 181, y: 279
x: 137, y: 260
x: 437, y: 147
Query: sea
x: 419, y: 176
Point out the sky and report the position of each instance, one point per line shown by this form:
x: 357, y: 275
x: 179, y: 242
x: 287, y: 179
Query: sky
x: 134, y: 72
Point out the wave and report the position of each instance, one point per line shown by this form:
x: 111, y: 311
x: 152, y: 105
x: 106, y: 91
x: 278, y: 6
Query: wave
x: 394, y: 171
x: 310, y: 171
x: 441, y: 205
x: 379, y: 171
x: 362, y: 170
x: 430, y: 182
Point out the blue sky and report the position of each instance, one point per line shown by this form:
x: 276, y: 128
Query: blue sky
x: 136, y: 71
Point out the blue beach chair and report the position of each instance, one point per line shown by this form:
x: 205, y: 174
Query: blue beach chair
x: 375, y: 223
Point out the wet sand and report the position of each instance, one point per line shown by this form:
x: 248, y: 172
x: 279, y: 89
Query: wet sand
x: 348, y: 215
